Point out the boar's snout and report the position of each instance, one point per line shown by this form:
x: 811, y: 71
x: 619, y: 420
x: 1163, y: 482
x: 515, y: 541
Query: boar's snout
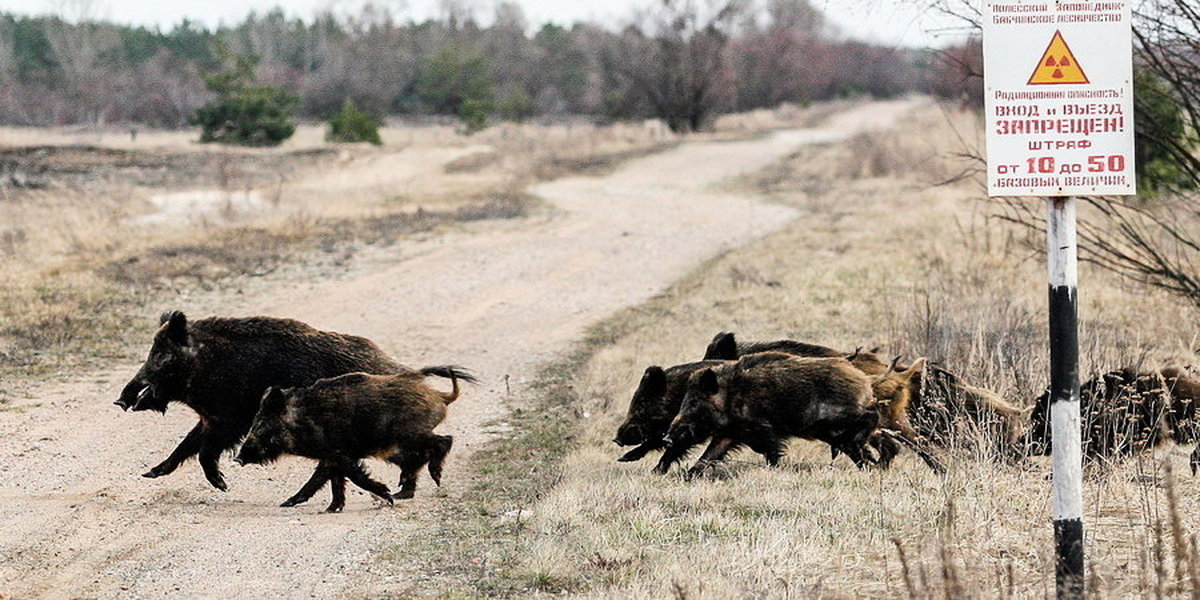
x: 630, y: 434
x: 147, y: 399
x: 134, y: 394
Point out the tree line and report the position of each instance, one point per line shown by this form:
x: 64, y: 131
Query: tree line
x: 680, y: 60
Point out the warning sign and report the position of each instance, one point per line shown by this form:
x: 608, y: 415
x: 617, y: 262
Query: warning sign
x: 1058, y: 80
x: 1058, y: 65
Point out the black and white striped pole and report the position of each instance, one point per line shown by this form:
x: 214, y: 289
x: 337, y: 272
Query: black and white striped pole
x: 1064, y: 397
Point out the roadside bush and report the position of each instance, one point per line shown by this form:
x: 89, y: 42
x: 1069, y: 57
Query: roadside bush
x: 351, y: 125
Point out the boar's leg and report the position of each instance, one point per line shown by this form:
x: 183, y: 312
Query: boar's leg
x: 312, y: 486
x: 216, y: 439
x: 185, y: 450
x: 887, y: 448
x: 429, y: 451
x: 671, y: 455
x: 410, y: 460
x: 358, y: 476
x: 437, y: 458
x: 641, y: 451
x: 763, y: 440
x: 717, y: 448
x: 337, y: 484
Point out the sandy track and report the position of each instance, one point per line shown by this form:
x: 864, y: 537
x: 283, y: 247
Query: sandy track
x: 76, y: 520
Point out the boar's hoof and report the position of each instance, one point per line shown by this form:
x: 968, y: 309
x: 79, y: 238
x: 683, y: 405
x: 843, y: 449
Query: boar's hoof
x: 334, y: 508
x: 404, y: 494
x: 158, y: 471
x: 293, y: 501
x: 218, y: 482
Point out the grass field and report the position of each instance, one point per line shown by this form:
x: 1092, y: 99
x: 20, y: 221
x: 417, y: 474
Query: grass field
x: 881, y: 256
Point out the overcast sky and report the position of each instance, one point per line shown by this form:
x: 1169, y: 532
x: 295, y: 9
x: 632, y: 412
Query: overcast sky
x: 891, y: 22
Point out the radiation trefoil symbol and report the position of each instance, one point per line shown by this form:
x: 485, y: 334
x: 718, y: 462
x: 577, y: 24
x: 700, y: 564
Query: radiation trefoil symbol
x: 1058, y: 65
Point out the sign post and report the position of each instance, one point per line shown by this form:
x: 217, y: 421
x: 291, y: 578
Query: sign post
x: 1058, y: 78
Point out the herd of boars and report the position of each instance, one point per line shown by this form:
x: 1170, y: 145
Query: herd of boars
x: 758, y: 395
x: 268, y: 387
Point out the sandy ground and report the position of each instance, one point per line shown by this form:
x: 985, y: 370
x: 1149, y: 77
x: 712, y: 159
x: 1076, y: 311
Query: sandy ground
x: 76, y: 520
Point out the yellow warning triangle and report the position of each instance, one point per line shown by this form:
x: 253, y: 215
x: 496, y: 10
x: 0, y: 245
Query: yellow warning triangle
x: 1058, y: 65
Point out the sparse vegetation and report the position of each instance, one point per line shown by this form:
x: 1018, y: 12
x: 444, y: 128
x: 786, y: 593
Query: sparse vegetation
x: 351, y: 125
x: 880, y: 257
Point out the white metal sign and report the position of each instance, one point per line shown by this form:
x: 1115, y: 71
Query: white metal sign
x: 1058, y: 79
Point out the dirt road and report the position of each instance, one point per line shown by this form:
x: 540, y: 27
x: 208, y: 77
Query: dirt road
x: 76, y: 520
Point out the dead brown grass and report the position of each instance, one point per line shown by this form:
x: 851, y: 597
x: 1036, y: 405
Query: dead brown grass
x: 880, y: 257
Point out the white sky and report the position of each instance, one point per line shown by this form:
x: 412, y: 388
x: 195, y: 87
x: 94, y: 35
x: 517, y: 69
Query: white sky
x: 891, y: 22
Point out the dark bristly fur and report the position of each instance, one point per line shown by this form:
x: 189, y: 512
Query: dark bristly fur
x: 764, y: 399
x: 1126, y: 411
x: 220, y: 367
x: 343, y: 420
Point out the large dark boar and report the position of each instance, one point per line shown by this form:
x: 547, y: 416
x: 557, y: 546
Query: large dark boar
x: 220, y: 368
x: 1126, y: 411
x: 655, y: 402
x: 763, y: 399
x: 343, y: 420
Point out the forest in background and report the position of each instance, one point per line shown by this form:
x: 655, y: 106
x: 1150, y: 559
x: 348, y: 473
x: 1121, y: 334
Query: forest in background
x: 673, y: 58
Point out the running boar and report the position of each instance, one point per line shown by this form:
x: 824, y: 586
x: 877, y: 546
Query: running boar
x: 763, y: 399
x: 345, y: 419
x: 1126, y: 411
x: 655, y: 402
x: 220, y: 367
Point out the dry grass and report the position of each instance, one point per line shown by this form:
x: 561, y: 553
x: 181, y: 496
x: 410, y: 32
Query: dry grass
x: 879, y: 257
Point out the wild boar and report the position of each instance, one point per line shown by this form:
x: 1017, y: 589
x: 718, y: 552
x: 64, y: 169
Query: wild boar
x: 655, y: 402
x: 220, y: 367
x: 724, y: 346
x: 1126, y: 411
x: 763, y: 399
x: 345, y: 419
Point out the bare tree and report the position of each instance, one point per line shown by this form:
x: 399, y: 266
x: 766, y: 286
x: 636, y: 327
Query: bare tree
x: 677, y: 61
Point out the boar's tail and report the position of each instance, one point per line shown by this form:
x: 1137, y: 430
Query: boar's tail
x: 452, y: 373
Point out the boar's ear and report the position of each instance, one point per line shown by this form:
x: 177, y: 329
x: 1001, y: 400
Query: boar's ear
x: 273, y: 400
x: 175, y: 326
x: 707, y: 384
x: 916, y: 367
x: 722, y: 347
x: 654, y: 380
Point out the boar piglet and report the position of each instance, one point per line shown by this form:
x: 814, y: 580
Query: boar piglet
x: 764, y: 399
x: 655, y: 402
x: 343, y: 420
